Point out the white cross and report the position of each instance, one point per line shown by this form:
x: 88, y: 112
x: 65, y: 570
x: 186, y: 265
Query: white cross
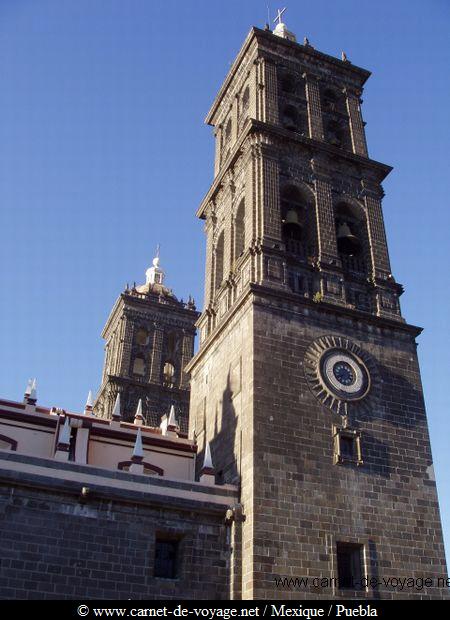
x: 280, y: 13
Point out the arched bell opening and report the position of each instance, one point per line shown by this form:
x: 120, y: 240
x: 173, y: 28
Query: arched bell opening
x: 294, y: 222
x: 290, y: 118
x: 287, y: 83
x: 351, y: 238
x: 336, y: 134
x: 329, y: 100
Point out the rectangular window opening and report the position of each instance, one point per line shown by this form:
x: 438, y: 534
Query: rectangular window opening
x: 350, y: 565
x: 166, y: 558
x: 347, y: 446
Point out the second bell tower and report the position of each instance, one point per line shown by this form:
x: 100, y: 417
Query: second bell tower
x: 149, y: 340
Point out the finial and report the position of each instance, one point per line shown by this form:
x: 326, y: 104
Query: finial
x: 138, y: 451
x: 63, y: 443
x: 30, y: 396
x: 116, y: 416
x: 344, y: 57
x: 138, y: 417
x: 64, y: 433
x: 27, y: 392
x: 172, y: 423
x: 169, y: 425
x: 154, y: 274
x: 266, y: 26
x: 306, y: 41
x: 207, y: 473
x: 89, y: 404
x: 207, y: 461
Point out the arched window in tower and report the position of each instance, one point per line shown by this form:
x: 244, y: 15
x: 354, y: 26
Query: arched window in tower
x: 329, y: 100
x: 351, y: 238
x: 139, y: 366
x: 293, y: 222
x: 141, y: 337
x: 168, y: 374
x: 335, y: 118
x: 239, y: 230
x: 219, y: 273
x: 335, y: 134
x: 287, y: 83
x: 173, y: 343
x: 290, y: 118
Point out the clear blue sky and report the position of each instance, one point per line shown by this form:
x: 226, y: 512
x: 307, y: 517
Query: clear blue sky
x: 103, y: 154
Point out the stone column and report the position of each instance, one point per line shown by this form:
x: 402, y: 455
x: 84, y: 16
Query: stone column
x: 356, y: 124
x: 314, y: 107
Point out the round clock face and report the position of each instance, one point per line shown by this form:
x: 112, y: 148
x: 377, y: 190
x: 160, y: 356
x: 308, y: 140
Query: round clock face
x: 341, y: 374
x: 344, y: 374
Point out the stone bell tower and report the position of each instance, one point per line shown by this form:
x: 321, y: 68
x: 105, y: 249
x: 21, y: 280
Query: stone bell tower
x: 149, y: 340
x: 307, y: 384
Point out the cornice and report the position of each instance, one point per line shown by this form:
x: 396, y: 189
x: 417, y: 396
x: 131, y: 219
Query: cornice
x: 316, y: 147
x: 257, y: 35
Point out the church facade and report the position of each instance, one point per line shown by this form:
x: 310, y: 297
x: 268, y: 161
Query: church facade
x: 302, y: 449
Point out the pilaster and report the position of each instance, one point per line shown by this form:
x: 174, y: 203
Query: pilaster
x: 324, y: 214
x: 375, y: 225
x: 314, y: 108
x: 268, y: 89
x: 155, y: 372
x: 358, y: 134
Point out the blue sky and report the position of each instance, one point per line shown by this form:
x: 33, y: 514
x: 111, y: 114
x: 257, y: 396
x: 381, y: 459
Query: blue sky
x: 103, y: 154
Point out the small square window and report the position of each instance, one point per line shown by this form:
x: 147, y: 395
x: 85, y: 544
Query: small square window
x: 349, y: 565
x: 166, y: 558
x: 347, y: 446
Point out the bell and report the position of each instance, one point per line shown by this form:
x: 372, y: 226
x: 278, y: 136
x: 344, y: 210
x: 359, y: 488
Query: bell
x: 348, y: 243
x: 292, y: 217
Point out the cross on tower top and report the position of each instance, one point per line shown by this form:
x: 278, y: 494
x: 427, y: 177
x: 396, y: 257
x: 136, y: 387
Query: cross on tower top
x: 279, y: 14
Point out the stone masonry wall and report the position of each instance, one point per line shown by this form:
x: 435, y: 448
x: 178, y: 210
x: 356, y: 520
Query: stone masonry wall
x: 54, y: 547
x: 303, y: 503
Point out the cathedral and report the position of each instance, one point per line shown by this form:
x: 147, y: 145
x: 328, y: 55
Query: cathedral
x: 289, y: 458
